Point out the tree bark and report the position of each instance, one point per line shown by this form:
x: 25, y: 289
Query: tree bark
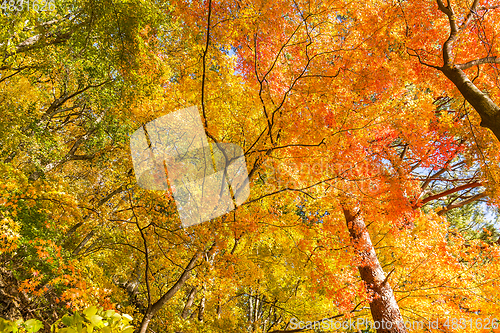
x: 83, y: 243
x: 384, y: 308
x: 480, y: 101
x: 488, y: 110
x: 189, y: 303
x: 201, y: 311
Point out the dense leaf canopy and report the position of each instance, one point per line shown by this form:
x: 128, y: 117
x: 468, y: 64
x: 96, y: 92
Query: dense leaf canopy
x: 370, y: 132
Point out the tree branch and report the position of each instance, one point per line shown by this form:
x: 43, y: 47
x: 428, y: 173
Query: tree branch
x: 477, y: 62
x: 462, y: 203
x: 447, y: 55
x: 177, y: 285
x: 472, y: 11
x: 450, y: 191
x: 203, y: 78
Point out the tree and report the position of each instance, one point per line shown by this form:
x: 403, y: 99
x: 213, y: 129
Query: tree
x: 357, y: 153
x: 470, y: 24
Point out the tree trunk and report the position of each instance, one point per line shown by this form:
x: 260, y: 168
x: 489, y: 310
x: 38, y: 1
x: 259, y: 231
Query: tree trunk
x: 154, y: 308
x: 83, y: 243
x: 480, y: 101
x: 201, y: 311
x: 384, y: 308
x: 189, y: 303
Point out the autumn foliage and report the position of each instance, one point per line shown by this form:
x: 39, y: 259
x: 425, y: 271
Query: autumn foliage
x: 370, y: 133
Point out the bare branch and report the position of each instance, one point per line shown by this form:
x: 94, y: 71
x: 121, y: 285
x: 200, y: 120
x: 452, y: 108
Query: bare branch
x: 477, y: 62
x: 450, y: 191
x: 488, y: 7
x: 472, y: 11
x: 447, y: 55
x: 178, y: 284
x: 462, y: 203
x: 291, y: 145
x: 203, y: 78
x: 52, y: 109
x: 415, y: 54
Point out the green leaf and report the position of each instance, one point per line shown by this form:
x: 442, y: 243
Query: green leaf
x: 127, y: 316
x: 8, y: 326
x: 67, y: 320
x: 95, y: 319
x: 128, y: 329
x: 77, y: 318
x: 78, y: 321
x: 109, y: 313
x: 53, y: 327
x: 33, y: 325
x: 90, y: 311
x: 116, y: 317
x: 67, y: 330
